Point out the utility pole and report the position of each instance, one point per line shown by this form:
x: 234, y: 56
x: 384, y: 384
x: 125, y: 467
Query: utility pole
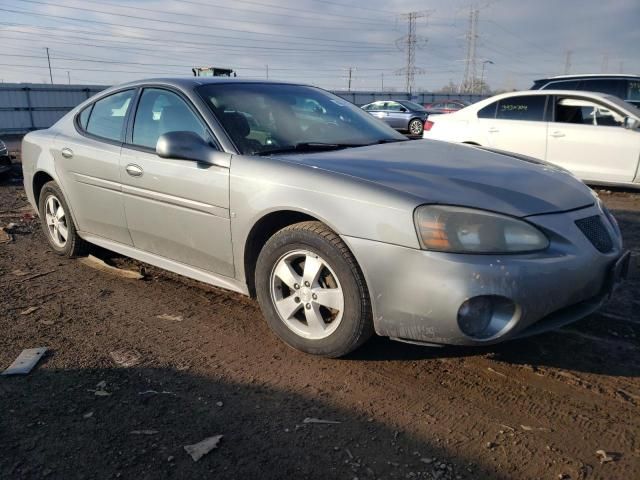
x: 349, y: 84
x: 267, y: 67
x: 482, y: 76
x: 621, y: 66
x: 605, y: 62
x: 382, y: 82
x: 567, y: 62
x: 49, y: 62
x: 69, y: 77
x: 471, y: 62
x: 408, y: 44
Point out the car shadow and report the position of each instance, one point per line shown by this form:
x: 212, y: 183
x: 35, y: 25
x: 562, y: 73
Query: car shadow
x: 134, y: 423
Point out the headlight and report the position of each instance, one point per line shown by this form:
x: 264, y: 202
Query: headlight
x: 466, y: 230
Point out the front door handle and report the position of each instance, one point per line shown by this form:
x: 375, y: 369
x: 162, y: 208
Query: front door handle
x: 493, y: 130
x: 134, y: 170
x: 67, y: 152
x: 557, y: 134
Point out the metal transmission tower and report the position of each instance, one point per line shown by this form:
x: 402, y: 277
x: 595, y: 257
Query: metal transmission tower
x: 408, y: 44
x: 567, y: 62
x: 471, y: 62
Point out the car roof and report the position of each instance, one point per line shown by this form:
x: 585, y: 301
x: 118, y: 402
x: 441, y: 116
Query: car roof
x: 589, y: 75
x: 191, y: 82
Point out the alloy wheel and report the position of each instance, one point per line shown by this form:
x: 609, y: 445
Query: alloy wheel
x: 56, y: 220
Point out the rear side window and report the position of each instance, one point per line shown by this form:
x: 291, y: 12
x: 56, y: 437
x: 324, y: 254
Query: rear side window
x: 612, y: 87
x: 489, y: 111
x: 633, y: 90
x: 529, y: 108
x: 107, y: 116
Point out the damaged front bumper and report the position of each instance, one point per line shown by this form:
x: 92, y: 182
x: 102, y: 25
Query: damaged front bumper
x: 417, y: 295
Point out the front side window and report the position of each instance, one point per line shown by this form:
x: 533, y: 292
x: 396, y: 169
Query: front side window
x: 161, y: 111
x: 261, y: 118
x: 633, y: 90
x: 585, y: 112
x: 612, y: 87
x: 107, y: 116
x: 528, y: 107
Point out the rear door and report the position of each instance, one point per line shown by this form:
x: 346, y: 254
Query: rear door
x: 519, y: 125
x: 587, y: 138
x: 176, y: 209
x: 87, y: 164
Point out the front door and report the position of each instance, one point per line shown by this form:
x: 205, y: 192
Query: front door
x: 89, y: 170
x: 588, y: 138
x: 177, y: 209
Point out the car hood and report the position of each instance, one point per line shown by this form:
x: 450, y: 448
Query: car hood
x: 447, y: 173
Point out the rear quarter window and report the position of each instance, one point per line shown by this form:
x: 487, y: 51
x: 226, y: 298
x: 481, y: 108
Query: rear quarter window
x: 527, y: 108
x: 489, y: 111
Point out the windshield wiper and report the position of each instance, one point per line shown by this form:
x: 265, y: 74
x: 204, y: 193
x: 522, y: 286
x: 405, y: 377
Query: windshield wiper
x: 310, y: 147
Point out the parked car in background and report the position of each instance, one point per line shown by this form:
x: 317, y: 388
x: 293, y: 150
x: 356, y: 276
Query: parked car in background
x: 594, y: 136
x: 338, y: 224
x: 446, y: 106
x: 5, y: 160
x: 626, y: 87
x: 402, y: 115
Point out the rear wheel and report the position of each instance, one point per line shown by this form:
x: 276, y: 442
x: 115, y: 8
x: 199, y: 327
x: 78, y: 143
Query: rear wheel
x: 57, y: 223
x: 312, y: 292
x: 416, y: 126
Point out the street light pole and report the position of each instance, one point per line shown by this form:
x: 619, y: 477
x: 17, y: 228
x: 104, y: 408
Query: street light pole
x: 482, y: 76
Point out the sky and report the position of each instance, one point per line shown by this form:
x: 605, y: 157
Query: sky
x: 315, y: 41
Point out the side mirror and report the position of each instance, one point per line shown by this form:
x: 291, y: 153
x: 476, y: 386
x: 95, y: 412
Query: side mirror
x: 631, y: 123
x: 186, y: 146
x: 403, y: 110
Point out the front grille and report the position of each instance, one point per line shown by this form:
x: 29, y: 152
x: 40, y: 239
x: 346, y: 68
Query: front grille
x: 596, y: 232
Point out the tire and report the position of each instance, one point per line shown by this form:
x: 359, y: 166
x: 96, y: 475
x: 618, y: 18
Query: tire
x: 52, y: 199
x: 331, y: 315
x: 416, y: 127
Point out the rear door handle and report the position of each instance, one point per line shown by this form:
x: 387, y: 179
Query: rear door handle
x: 67, y: 152
x: 493, y: 130
x: 557, y: 134
x: 134, y: 170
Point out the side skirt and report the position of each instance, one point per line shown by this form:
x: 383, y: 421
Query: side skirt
x: 171, y: 265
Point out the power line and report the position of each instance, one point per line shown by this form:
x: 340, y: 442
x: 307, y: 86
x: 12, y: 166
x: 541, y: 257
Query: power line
x: 173, y: 22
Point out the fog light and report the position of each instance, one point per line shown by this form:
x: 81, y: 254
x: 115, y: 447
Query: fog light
x: 485, y: 316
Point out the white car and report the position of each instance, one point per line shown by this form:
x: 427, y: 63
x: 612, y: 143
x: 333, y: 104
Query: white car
x: 593, y: 135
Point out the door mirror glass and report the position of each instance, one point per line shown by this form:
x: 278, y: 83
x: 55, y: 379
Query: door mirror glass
x: 631, y: 123
x: 185, y: 145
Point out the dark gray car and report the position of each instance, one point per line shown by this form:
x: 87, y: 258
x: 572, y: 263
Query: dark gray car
x: 337, y: 224
x: 402, y: 115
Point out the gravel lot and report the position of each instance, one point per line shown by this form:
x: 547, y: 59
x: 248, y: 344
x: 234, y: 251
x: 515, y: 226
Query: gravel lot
x: 535, y: 408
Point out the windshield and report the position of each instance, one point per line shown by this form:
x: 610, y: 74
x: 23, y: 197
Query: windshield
x: 261, y: 118
x: 413, y: 106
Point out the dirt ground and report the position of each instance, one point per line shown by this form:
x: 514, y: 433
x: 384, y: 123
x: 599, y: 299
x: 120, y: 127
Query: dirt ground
x: 538, y: 408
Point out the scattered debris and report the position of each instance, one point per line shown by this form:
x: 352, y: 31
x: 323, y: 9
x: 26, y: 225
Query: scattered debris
x: 144, y: 432
x: 219, y: 404
x: 98, y: 264
x: 25, y: 361
x: 100, y: 389
x: 496, y: 372
x: 527, y: 428
x: 172, y: 318
x: 427, y: 460
x: 5, y: 237
x: 349, y: 453
x: 155, y: 392
x: 47, y: 322
x: 319, y: 420
x: 37, y: 275
x: 490, y: 445
x: 126, y: 358
x: 87, y: 415
x: 19, y: 273
x: 604, y: 456
x: 200, y: 449
x: 29, y: 310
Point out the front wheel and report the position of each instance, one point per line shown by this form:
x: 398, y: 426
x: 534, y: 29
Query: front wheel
x: 312, y: 292
x: 416, y: 126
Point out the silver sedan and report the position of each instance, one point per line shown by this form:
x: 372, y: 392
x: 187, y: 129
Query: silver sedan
x: 337, y: 224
